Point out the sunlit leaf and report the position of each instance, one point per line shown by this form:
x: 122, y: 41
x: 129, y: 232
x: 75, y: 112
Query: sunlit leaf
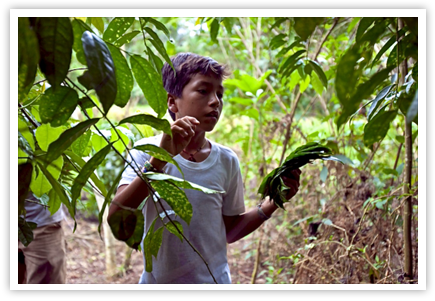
x: 40, y: 183
x: 116, y: 28
x: 124, y: 78
x: 303, y: 84
x: 54, y: 202
x: 57, y: 105
x: 175, y: 197
x: 125, y: 39
x: 150, y: 83
x: 158, y: 124
x: 173, y: 229
x: 24, y: 130
x: 57, y: 147
x: 80, y: 146
x: 87, y: 171
x: 98, y: 23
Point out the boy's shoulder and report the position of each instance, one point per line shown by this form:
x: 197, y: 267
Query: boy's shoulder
x: 155, y: 140
x: 225, y: 150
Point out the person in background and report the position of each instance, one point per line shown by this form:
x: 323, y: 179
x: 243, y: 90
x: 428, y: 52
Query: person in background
x: 43, y: 261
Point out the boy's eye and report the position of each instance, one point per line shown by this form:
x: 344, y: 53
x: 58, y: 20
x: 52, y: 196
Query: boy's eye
x: 202, y: 91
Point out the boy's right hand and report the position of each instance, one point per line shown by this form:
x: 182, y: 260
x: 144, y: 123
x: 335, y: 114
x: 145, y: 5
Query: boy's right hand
x: 183, y: 130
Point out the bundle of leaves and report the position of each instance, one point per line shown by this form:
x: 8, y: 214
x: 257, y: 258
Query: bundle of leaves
x: 273, y: 185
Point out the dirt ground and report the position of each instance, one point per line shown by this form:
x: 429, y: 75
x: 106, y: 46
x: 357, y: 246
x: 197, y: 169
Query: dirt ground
x: 86, y: 261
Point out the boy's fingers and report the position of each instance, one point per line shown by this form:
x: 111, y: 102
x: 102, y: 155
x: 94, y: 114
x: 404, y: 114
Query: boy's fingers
x: 193, y: 120
x: 179, y: 130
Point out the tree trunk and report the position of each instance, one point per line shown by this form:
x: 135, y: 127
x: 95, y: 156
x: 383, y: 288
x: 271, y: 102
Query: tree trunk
x: 407, y: 206
x: 109, y: 239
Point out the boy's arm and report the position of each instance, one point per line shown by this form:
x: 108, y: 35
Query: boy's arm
x: 239, y: 226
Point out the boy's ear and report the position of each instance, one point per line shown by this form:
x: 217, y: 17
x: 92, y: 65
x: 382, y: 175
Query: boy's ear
x: 172, y: 106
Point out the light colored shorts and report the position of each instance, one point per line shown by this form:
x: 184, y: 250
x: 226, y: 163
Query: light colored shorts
x: 45, y: 256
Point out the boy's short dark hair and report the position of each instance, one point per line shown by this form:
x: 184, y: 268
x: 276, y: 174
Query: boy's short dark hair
x: 186, y: 65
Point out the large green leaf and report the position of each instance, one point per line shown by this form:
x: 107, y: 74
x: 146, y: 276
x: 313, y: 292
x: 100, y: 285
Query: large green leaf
x: 25, y: 233
x: 175, y: 197
x: 87, y: 170
x: 387, y: 46
x: 79, y: 27
x: 127, y: 225
x: 80, y: 162
x: 304, y: 27
x: 376, y: 129
x: 124, y: 78
x: 125, y: 39
x: 319, y: 71
x: 101, y: 69
x: 24, y: 130
x: 364, y: 24
x: 40, y: 183
x: 159, y: 153
x: 152, y: 243
x: 81, y: 146
x: 60, y: 191
x: 28, y: 57
x: 98, y: 22
x: 180, y: 182
x: 24, y: 178
x: 158, y: 124
x: 158, y: 44
x: 214, y: 30
x: 57, y: 147
x: 56, y: 39
x: 150, y: 83
x: 57, y: 105
x: 117, y: 27
x: 54, y: 202
x: 46, y: 134
x: 157, y: 62
x: 378, y: 100
x: 372, y: 35
x: 347, y: 76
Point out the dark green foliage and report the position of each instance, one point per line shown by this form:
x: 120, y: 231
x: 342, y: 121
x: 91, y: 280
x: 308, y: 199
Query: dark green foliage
x: 273, y: 186
x: 127, y: 225
x: 24, y: 178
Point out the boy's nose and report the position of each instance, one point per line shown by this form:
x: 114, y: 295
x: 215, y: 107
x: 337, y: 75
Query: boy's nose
x: 214, y: 101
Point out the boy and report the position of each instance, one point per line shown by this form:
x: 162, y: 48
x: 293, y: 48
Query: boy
x: 195, y: 104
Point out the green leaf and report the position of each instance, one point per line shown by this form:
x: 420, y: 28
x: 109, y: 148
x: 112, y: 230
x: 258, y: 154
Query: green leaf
x: 378, y: 100
x: 125, y: 39
x: 127, y: 225
x: 24, y: 130
x: 57, y: 105
x: 415, y: 72
x: 157, y: 62
x: 54, y: 202
x: 242, y: 101
x: 98, y: 142
x: 277, y: 41
x: 124, y: 78
x: 376, y: 129
x: 303, y: 84
x: 158, y: 44
x: 79, y: 27
x: 373, y: 34
x: 173, y: 229
x: 175, y: 197
x: 80, y: 162
x: 160, y: 26
x: 344, y: 159
x: 119, y: 139
x: 58, y: 188
x: 57, y: 147
x: 152, y: 243
x: 347, y: 76
x: 55, y: 35
x: 214, y: 30
x: 87, y: 171
x: 150, y: 83
x: 45, y: 134
x: 158, y: 124
x: 289, y: 63
x: 98, y: 23
x: 116, y: 28
x: 316, y: 67
x: 362, y: 27
x: 24, y: 178
x: 80, y: 146
x: 179, y: 182
x: 25, y: 233
x: 317, y: 84
x: 159, y: 153
x: 101, y: 69
x: 304, y: 27
x: 28, y: 57
x: 387, y: 46
x: 40, y: 183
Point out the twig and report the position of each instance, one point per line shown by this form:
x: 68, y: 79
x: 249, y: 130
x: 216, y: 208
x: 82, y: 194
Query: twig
x: 257, y: 257
x: 325, y: 37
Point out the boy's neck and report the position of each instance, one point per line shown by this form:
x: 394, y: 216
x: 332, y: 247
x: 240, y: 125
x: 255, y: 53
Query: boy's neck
x: 196, y: 142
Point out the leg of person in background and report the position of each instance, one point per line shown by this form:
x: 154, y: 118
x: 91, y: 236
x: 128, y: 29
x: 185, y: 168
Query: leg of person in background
x: 45, y: 256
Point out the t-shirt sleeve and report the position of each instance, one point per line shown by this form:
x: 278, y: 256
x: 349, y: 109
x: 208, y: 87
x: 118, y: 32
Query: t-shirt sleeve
x: 233, y: 201
x: 137, y: 159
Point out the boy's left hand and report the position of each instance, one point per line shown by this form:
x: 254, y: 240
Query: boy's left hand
x: 291, y: 180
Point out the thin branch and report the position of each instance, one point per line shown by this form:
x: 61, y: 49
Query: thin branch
x: 325, y: 37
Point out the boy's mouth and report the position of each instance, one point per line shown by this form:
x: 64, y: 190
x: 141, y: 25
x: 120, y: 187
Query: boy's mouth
x: 214, y: 114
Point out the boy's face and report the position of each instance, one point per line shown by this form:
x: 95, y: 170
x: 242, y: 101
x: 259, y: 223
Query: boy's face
x: 201, y: 98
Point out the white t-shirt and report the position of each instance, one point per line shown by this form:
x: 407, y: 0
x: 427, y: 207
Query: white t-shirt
x: 176, y: 261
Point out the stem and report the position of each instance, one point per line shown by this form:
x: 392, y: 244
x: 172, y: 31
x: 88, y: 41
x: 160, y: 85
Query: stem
x: 288, y: 130
x: 407, y: 210
x: 325, y: 37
